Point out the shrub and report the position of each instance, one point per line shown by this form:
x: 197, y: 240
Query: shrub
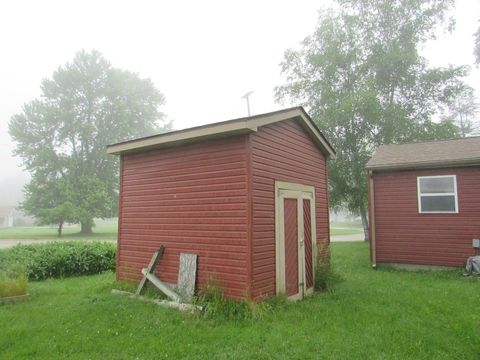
x: 61, y: 259
x: 13, y: 280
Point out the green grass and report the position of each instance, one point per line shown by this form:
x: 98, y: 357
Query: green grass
x: 346, y: 224
x: 104, y: 230
x: 370, y: 314
x: 346, y: 228
x: 13, y: 280
x: 335, y: 231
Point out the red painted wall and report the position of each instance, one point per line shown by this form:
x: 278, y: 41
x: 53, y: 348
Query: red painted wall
x: 285, y: 152
x: 216, y: 199
x: 405, y: 236
x: 192, y: 199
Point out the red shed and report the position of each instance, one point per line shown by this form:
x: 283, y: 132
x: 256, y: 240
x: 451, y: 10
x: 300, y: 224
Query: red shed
x: 249, y: 196
x: 424, y: 201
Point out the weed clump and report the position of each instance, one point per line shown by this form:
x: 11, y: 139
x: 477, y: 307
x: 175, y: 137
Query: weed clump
x: 325, y: 277
x: 13, y: 280
x: 218, y: 307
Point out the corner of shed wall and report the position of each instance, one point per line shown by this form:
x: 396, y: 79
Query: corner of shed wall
x: 248, y: 150
x: 119, y: 221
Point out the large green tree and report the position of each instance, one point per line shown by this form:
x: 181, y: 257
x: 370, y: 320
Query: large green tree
x: 361, y: 77
x: 62, y: 137
x: 463, y: 112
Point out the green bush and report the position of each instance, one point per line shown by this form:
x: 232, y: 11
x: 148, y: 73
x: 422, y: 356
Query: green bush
x: 61, y: 259
x: 13, y: 280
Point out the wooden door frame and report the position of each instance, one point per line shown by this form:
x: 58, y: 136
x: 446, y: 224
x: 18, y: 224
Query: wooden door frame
x: 297, y: 191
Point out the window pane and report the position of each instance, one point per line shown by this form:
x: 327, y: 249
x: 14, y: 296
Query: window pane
x: 437, y: 185
x: 438, y: 203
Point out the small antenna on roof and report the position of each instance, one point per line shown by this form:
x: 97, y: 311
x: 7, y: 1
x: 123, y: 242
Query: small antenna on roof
x: 246, y: 96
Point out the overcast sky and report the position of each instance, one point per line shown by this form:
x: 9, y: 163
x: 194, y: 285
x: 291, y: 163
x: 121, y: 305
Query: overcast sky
x: 202, y: 55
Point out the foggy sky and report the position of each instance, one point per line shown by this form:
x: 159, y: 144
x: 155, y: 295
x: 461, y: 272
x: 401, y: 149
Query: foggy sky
x: 202, y: 55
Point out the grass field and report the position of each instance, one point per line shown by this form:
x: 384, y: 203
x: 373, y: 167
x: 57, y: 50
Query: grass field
x: 336, y: 231
x: 103, y: 230
x: 371, y: 314
x: 346, y: 228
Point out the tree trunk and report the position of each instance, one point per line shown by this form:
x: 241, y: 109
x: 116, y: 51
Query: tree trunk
x: 86, y: 227
x: 363, y: 215
x: 60, y: 228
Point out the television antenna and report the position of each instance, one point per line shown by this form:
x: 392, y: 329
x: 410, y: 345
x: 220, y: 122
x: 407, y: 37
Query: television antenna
x: 246, y: 97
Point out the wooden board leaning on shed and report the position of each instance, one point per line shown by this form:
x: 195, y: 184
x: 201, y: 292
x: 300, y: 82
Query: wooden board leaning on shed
x: 185, y: 288
x: 187, y: 273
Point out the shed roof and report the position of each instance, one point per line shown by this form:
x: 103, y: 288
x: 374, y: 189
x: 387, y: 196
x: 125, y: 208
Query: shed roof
x: 224, y: 129
x: 432, y: 154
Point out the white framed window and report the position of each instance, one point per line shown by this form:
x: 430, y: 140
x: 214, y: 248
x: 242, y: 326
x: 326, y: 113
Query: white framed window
x: 437, y: 194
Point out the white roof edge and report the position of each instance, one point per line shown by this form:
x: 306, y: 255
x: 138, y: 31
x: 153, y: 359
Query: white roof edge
x: 175, y: 137
x: 244, y: 125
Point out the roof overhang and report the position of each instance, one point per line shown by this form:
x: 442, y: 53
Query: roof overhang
x: 425, y: 165
x: 222, y: 130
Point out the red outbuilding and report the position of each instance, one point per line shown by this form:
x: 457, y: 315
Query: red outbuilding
x: 424, y: 202
x: 248, y: 196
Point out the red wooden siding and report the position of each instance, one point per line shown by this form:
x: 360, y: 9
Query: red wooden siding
x: 193, y: 199
x: 285, y: 152
x: 291, y: 246
x: 405, y: 236
x: 307, y: 237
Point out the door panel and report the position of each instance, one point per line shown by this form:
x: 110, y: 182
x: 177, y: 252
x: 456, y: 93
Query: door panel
x: 307, y: 236
x: 291, y: 246
x: 294, y: 239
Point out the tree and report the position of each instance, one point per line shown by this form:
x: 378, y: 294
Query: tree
x: 47, y: 199
x: 463, y: 111
x: 476, y: 49
x: 362, y: 79
x: 62, y: 137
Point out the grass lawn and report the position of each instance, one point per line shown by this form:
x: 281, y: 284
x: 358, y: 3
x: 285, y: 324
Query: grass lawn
x: 371, y: 314
x: 335, y: 231
x: 104, y: 230
x: 346, y: 228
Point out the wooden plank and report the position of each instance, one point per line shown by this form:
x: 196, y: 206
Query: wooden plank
x: 187, y: 274
x: 153, y: 262
x: 169, y: 304
x: 159, y: 284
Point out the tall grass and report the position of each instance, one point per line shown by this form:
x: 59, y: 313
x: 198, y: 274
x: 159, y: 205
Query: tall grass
x: 220, y: 308
x: 13, y: 280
